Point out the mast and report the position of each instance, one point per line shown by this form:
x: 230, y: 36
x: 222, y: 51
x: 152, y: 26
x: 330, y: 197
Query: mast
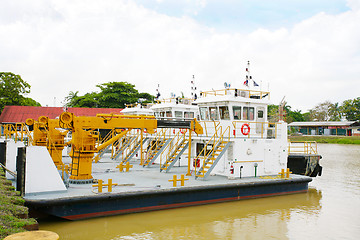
x: 193, y: 88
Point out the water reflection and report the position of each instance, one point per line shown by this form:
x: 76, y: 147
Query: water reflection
x: 248, y: 219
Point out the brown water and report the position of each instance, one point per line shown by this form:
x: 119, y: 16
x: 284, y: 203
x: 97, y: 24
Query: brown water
x: 330, y: 210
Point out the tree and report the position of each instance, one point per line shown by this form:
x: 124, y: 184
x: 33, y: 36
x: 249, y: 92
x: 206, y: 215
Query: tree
x: 290, y: 116
x: 117, y: 94
x: 351, y: 109
x: 322, y: 111
x: 146, y: 97
x: 273, y: 113
x: 295, y: 116
x: 12, y: 89
x: 111, y: 95
x: 89, y: 100
x: 335, y: 112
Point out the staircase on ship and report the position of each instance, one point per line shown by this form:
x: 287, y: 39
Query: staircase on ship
x: 108, y: 136
x: 122, y: 144
x: 156, y: 147
x: 177, y: 147
x: 212, y: 152
x: 134, y: 147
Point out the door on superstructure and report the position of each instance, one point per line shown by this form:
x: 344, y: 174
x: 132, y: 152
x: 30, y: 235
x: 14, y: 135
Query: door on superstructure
x: 260, y: 119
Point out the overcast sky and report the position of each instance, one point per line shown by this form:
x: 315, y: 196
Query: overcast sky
x: 305, y: 50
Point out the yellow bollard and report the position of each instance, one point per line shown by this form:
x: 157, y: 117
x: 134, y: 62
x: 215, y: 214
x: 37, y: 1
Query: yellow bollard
x: 128, y: 166
x: 174, y: 180
x: 282, y: 173
x: 34, y: 235
x: 288, y: 173
x: 183, y: 179
x: 99, y: 185
x: 120, y: 167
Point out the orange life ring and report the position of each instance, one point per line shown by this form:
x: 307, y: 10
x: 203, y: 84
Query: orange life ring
x: 247, y: 131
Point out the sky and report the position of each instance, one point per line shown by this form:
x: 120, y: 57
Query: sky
x: 304, y: 50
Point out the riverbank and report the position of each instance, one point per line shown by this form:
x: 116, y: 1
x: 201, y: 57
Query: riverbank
x: 13, y: 213
x: 328, y: 139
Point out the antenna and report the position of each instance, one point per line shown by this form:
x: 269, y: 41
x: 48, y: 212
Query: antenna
x: 193, y: 88
x: 248, y: 76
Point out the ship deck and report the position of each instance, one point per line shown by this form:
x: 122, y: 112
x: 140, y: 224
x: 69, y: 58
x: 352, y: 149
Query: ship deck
x: 149, y: 179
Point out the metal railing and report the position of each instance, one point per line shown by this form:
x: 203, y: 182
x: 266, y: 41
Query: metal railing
x: 211, y: 145
x: 302, y: 147
x: 247, y: 93
x: 243, y: 129
x: 172, y: 145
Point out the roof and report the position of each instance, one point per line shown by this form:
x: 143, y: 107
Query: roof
x: 320, y: 124
x: 14, y: 114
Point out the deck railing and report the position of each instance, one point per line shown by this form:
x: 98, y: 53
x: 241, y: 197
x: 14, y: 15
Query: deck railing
x: 302, y: 147
x: 247, y: 93
x: 243, y: 129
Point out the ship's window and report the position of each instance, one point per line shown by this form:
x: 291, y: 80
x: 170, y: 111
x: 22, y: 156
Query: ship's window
x: 248, y: 113
x: 224, y: 113
x: 200, y: 148
x: 157, y: 114
x: 237, y: 112
x: 168, y: 114
x: 188, y: 114
x: 178, y: 114
x: 260, y: 114
x: 204, y: 113
x: 213, y: 113
x: 162, y: 114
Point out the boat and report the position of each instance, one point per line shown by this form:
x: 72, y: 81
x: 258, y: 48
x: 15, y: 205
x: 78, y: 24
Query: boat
x: 217, y: 147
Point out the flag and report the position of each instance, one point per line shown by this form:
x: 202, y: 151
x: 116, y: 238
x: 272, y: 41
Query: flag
x: 246, y: 83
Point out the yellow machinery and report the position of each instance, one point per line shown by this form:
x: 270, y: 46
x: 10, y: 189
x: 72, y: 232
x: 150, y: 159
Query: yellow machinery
x: 46, y: 133
x: 84, y: 141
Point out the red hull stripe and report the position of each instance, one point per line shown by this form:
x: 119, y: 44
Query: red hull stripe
x: 175, y: 205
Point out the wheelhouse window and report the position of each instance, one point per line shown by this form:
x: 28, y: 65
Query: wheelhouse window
x: 178, y: 114
x: 188, y: 115
x: 168, y: 114
x: 260, y: 114
x: 248, y: 113
x: 237, y: 112
x: 224, y: 112
x: 213, y: 113
x: 204, y: 113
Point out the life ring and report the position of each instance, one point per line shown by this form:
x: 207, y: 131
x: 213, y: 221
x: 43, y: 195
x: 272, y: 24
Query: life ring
x: 247, y: 131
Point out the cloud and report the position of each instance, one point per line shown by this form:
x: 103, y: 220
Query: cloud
x: 63, y: 46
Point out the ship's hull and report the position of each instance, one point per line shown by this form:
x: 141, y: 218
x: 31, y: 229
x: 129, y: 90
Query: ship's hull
x: 77, y: 208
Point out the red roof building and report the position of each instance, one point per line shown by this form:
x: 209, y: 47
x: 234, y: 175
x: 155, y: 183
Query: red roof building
x: 16, y: 114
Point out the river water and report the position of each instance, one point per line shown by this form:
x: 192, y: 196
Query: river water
x: 329, y: 210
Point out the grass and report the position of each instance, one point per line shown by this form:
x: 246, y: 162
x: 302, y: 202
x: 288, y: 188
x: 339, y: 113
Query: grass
x: 13, y: 213
x: 328, y: 139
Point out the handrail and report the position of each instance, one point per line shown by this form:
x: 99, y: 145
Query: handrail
x: 186, y: 101
x: 132, y: 145
x: 159, y: 136
x: 168, y: 150
x: 228, y: 91
x: 11, y: 130
x: 305, y: 147
x: 215, y: 141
